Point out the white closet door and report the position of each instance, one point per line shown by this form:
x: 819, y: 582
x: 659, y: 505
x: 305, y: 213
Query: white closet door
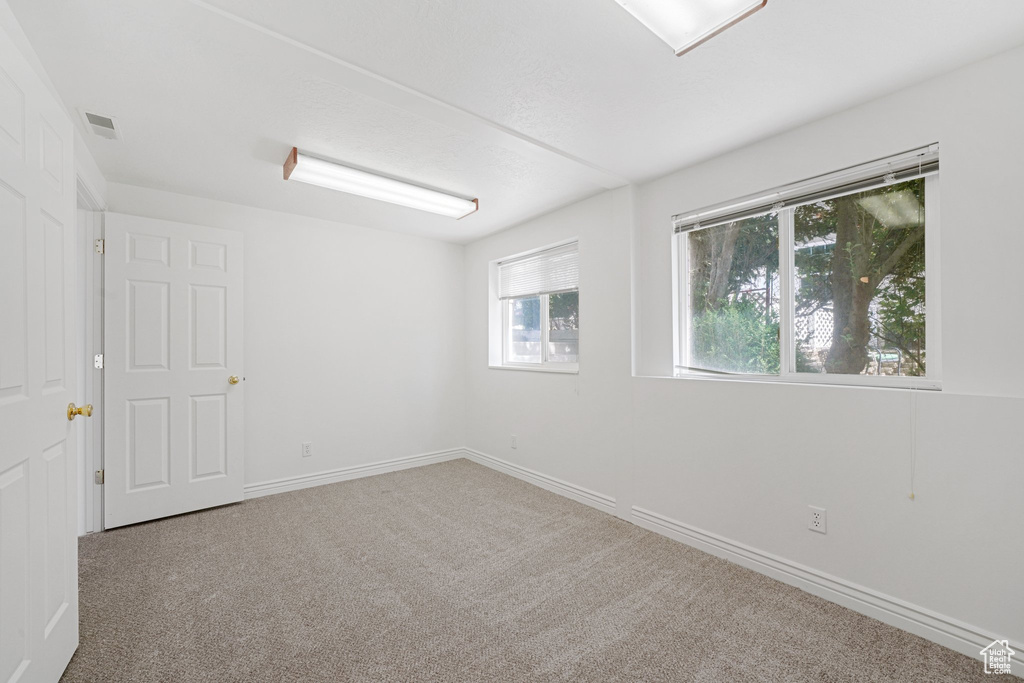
x: 173, y: 347
x: 38, y: 508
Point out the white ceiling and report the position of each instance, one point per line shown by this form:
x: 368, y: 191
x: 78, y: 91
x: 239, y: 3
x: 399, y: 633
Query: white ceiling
x: 528, y: 105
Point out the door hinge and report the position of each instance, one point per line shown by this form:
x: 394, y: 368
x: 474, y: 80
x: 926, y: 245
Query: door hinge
x: 100, y: 245
x: 99, y: 476
x: 97, y: 361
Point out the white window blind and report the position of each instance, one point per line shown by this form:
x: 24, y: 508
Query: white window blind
x: 546, y: 272
x: 916, y: 163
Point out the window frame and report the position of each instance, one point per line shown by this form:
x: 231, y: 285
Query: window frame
x: 545, y: 320
x: 498, y: 319
x: 682, y: 367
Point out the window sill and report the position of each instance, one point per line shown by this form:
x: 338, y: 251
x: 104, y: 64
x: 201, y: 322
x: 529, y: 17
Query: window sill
x: 569, y: 369
x: 810, y: 379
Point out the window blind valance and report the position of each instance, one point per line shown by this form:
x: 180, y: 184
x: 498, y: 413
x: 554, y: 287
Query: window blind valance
x: 898, y: 168
x: 545, y: 272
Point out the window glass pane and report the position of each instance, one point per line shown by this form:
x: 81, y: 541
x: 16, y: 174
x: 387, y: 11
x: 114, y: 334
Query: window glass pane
x: 524, y: 338
x: 859, y: 283
x: 564, y: 327
x: 733, y: 272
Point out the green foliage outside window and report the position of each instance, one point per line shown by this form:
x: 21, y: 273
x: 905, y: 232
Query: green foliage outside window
x: 858, y: 266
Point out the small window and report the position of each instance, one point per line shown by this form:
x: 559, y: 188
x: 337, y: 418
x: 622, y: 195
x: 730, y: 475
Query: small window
x: 539, y: 295
x: 822, y: 281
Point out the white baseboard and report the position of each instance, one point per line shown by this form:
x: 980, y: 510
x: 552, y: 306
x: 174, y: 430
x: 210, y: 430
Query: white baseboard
x: 577, y: 493
x: 303, y: 481
x: 938, y: 628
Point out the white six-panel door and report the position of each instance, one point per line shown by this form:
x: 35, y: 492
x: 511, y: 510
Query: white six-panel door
x: 172, y: 343
x: 38, y: 543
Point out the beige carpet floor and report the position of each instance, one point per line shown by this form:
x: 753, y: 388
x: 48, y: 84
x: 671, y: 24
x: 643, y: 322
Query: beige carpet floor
x: 454, y: 572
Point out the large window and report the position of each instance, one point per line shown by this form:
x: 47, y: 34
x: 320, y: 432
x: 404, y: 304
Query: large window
x: 821, y: 281
x: 539, y: 295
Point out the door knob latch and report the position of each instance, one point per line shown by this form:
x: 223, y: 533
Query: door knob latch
x: 73, y: 411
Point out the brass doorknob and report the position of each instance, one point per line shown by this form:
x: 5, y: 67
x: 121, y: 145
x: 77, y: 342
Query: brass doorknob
x: 84, y: 410
x: 233, y: 379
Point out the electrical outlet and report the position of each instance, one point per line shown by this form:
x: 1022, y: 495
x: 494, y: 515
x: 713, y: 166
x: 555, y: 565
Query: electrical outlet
x: 307, y: 449
x: 515, y: 442
x: 817, y: 520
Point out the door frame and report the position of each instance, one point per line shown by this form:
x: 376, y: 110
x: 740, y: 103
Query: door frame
x: 89, y: 302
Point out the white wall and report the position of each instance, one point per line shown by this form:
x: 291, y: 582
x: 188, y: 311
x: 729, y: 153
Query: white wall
x: 572, y: 427
x: 353, y: 337
x: 744, y: 460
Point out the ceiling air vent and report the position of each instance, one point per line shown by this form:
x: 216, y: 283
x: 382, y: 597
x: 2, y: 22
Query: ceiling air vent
x: 103, y: 126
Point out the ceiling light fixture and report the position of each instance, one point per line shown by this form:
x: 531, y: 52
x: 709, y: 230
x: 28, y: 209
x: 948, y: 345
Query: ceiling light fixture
x: 685, y: 24
x: 316, y: 171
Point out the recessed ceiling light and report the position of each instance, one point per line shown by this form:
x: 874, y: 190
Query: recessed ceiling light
x: 329, y: 174
x: 685, y: 24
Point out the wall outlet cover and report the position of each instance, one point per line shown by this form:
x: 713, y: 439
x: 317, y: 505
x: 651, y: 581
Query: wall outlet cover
x: 817, y: 521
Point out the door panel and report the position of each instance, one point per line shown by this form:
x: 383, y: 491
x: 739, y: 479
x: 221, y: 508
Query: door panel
x: 14, y: 303
x: 149, y: 443
x: 208, y: 437
x: 38, y: 495
x: 54, y: 239
x: 208, y: 330
x: 173, y: 330
x: 55, y: 485
x: 149, y: 326
x: 14, y: 571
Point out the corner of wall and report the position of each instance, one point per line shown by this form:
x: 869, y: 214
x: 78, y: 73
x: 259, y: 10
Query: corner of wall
x: 89, y: 175
x: 464, y: 336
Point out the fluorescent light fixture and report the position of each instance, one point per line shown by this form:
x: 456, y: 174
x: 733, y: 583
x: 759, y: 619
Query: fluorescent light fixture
x: 316, y: 171
x: 685, y: 24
